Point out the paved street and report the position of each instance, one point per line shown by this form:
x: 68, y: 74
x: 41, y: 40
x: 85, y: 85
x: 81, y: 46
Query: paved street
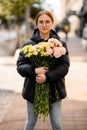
x: 74, y: 108
x: 6, y: 35
x: 7, y: 42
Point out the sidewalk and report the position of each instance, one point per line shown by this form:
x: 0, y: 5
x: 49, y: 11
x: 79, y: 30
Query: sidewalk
x: 74, y: 116
x: 74, y: 108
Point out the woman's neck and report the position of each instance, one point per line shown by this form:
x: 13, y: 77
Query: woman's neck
x: 45, y: 36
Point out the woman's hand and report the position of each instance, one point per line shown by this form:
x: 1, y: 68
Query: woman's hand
x: 41, y: 70
x: 40, y: 78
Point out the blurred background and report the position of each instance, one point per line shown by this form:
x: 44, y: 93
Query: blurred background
x: 17, y: 20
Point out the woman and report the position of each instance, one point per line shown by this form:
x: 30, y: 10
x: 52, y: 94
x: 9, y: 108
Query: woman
x: 55, y: 77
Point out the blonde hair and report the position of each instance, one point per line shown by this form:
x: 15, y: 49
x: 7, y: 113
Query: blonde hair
x: 44, y: 12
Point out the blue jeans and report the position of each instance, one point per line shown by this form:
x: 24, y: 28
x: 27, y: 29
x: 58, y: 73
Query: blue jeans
x: 55, y: 116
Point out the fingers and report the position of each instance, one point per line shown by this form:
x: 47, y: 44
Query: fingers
x: 46, y: 68
x: 40, y: 78
x: 41, y: 70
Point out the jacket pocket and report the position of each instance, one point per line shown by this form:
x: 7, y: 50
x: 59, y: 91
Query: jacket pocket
x: 28, y: 89
x: 60, y: 86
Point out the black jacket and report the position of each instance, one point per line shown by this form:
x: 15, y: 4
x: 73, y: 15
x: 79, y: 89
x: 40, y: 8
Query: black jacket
x: 55, y: 77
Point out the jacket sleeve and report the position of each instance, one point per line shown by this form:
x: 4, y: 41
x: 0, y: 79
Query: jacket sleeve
x: 24, y: 67
x: 61, y: 69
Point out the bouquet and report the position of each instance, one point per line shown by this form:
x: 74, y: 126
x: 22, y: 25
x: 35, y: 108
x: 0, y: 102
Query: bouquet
x: 43, y: 54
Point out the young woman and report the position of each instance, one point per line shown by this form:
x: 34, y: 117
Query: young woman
x: 55, y: 77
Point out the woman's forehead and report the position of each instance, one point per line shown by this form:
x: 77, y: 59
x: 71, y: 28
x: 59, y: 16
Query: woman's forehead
x: 44, y: 16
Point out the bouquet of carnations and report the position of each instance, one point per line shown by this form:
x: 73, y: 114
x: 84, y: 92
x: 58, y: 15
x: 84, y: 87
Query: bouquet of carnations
x: 43, y: 54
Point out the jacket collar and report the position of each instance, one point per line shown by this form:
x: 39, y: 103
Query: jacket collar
x: 36, y: 35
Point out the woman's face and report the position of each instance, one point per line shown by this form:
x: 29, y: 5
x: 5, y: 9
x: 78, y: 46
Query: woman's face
x: 44, y: 24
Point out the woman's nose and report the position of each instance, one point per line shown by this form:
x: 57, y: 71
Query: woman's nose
x: 44, y: 23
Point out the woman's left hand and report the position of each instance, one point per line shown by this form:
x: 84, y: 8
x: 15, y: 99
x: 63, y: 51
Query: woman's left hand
x: 40, y: 78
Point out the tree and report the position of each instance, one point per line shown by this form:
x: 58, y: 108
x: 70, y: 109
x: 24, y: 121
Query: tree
x: 17, y: 9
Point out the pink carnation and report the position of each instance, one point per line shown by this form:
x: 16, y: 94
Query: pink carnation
x: 54, y: 42
x: 49, y: 51
x: 58, y: 51
x: 51, y: 43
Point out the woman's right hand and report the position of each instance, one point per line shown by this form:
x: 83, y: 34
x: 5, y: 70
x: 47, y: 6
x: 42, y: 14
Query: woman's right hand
x: 41, y: 70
